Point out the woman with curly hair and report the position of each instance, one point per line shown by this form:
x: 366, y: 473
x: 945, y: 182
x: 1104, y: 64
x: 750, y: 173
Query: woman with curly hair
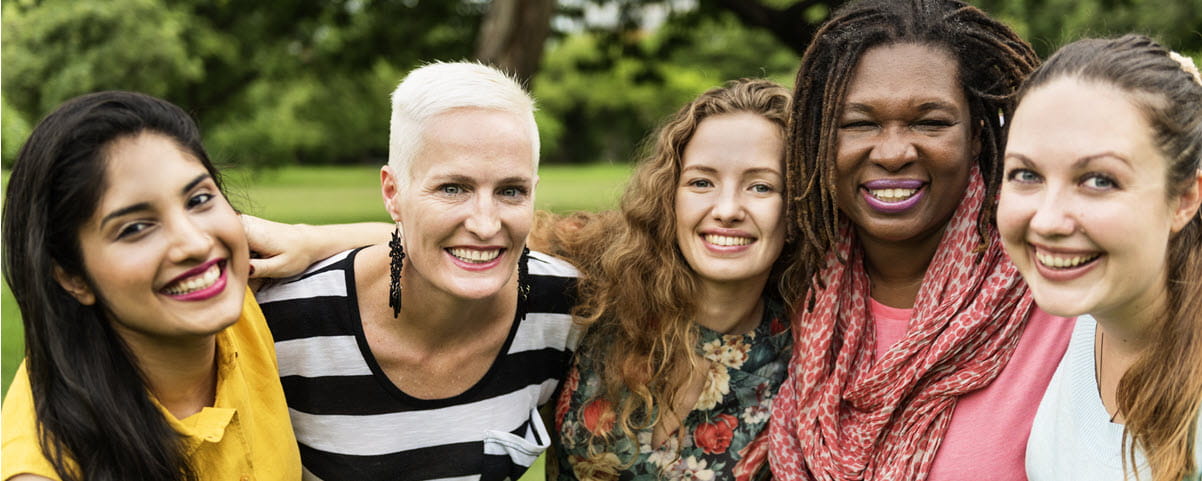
x: 686, y: 316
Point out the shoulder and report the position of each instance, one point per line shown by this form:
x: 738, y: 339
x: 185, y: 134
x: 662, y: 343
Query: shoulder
x: 541, y: 264
x: 327, y: 277
x: 22, y: 453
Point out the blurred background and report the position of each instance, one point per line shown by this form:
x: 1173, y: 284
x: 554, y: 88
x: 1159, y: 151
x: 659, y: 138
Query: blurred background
x: 292, y: 95
x: 293, y: 82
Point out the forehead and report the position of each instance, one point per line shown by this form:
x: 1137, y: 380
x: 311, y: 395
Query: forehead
x: 736, y: 140
x: 473, y: 140
x: 1070, y: 118
x: 905, y: 73
x: 145, y: 165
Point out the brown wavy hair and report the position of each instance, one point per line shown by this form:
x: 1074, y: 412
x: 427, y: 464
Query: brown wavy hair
x: 638, y: 293
x: 1161, y: 393
x: 992, y: 61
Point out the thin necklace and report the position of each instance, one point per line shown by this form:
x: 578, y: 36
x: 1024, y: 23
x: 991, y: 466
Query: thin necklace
x: 1097, y: 371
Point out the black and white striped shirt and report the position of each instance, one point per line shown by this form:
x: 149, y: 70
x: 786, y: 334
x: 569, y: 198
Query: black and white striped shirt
x: 353, y: 423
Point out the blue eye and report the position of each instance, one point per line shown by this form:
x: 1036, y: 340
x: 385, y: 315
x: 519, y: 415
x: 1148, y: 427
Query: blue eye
x: 1100, y: 182
x: 700, y: 183
x: 762, y: 188
x: 1022, y: 176
x: 451, y: 189
x: 512, y: 192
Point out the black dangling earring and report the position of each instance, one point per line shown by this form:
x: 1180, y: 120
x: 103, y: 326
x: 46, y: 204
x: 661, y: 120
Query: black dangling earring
x: 397, y: 253
x: 523, y: 283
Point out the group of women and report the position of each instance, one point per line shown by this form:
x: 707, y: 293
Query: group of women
x: 937, y: 259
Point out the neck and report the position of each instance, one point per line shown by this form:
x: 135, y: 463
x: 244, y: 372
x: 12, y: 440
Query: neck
x: 734, y: 308
x: 1121, y: 339
x: 896, y: 269
x: 428, y: 315
x: 181, y: 373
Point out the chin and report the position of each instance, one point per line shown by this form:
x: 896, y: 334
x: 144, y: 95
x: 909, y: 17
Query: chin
x: 1057, y: 304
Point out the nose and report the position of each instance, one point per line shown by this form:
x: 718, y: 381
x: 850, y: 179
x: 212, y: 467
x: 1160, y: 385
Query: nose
x: 1053, y: 216
x: 484, y: 221
x: 728, y: 206
x: 894, y: 150
x: 190, y: 241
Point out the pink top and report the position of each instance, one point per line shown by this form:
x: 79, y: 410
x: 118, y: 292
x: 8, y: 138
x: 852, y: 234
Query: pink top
x: 987, y: 437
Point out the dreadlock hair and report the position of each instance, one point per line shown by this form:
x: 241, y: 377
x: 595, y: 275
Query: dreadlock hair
x: 992, y: 60
x: 1161, y: 393
x: 638, y: 293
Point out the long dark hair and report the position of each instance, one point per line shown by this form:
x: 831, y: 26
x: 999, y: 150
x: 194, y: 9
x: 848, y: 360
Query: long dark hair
x: 992, y: 61
x: 1160, y: 393
x: 95, y: 418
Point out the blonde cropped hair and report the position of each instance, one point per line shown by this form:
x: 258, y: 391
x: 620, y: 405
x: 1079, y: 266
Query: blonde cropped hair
x: 440, y: 87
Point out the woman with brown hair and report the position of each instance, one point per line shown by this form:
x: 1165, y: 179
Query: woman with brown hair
x: 1106, y: 142
x: 687, y: 335
x: 919, y: 353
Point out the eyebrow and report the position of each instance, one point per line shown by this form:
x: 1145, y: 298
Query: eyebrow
x: 1077, y: 164
x: 144, y: 206
x: 924, y: 107
x: 754, y: 171
x: 464, y: 179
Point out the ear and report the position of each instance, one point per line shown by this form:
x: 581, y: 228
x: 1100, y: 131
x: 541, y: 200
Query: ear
x: 1187, y: 203
x: 389, y: 187
x: 74, y: 285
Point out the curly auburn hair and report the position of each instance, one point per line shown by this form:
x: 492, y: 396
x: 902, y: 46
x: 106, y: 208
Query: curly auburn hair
x: 992, y: 62
x: 638, y: 293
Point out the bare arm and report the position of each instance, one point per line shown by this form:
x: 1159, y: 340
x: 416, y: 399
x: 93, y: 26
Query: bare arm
x: 287, y: 249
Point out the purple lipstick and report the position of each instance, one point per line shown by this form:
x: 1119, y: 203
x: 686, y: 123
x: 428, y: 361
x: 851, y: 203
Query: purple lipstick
x: 907, y: 192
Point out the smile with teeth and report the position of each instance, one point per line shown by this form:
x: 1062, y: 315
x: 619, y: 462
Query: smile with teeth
x: 1058, y: 262
x: 892, y: 195
x: 727, y: 241
x: 195, y: 283
x: 475, y: 256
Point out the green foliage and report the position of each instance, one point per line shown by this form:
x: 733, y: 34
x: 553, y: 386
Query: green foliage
x: 271, y: 83
x: 601, y: 94
x: 13, y: 129
x: 61, y: 48
x: 1049, y: 24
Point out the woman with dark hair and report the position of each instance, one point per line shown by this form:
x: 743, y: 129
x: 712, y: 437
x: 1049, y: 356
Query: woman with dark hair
x: 919, y: 352
x: 687, y: 337
x: 146, y: 356
x: 1106, y: 142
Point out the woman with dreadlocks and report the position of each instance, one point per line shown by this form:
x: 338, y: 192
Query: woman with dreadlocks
x: 919, y: 353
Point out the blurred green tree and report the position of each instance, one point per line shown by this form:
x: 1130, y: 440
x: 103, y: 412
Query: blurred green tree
x: 302, y: 81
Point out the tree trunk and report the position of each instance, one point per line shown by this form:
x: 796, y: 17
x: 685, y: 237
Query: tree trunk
x: 513, y: 35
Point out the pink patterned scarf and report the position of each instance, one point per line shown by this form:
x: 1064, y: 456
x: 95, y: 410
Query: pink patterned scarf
x: 844, y: 415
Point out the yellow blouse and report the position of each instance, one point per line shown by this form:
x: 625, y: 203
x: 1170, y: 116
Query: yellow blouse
x: 246, y: 435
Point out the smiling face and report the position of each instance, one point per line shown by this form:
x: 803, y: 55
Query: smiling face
x: 164, y: 252
x: 1084, y: 211
x: 469, y: 204
x: 905, y: 144
x: 728, y: 199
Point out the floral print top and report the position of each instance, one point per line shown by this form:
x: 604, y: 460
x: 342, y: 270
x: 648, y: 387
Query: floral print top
x: 724, y: 435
